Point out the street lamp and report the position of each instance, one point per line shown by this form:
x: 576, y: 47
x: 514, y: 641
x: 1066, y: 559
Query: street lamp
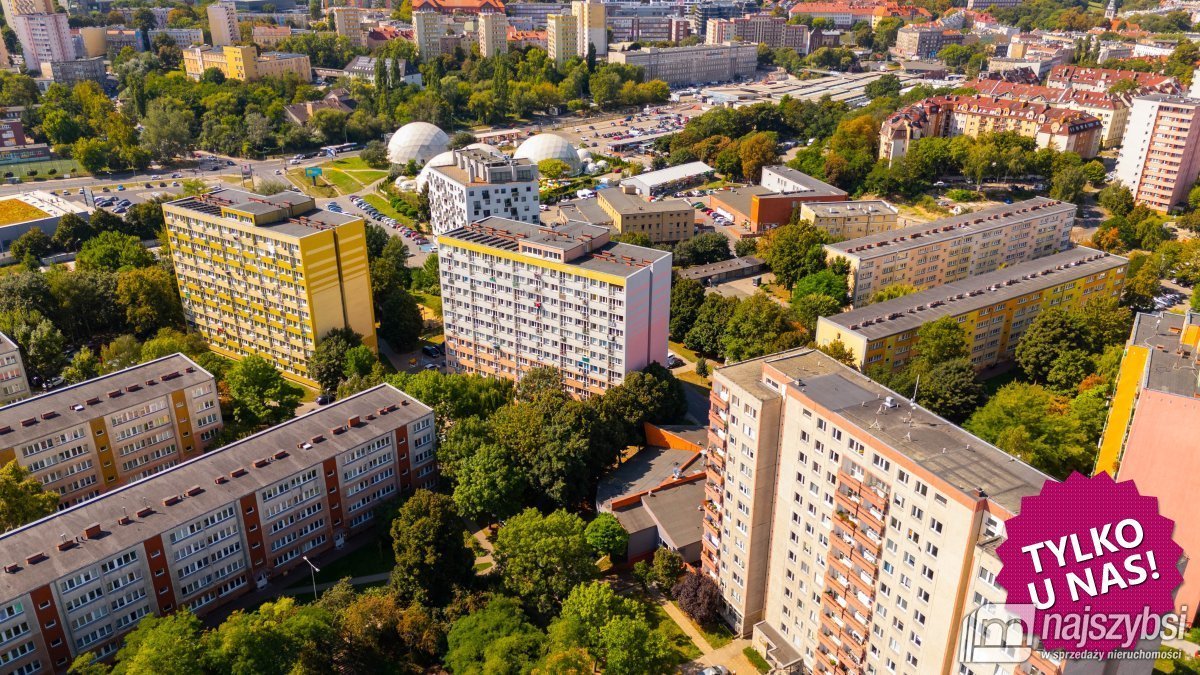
x: 313, y: 571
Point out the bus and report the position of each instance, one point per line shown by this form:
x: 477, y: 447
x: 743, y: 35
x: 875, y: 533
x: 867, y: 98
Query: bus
x: 332, y: 150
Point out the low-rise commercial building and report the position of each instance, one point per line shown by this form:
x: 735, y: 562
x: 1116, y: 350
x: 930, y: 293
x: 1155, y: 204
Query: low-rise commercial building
x: 480, y: 184
x: 210, y: 530
x: 680, y: 66
x: 959, y: 115
x: 269, y: 275
x: 270, y: 36
x: 849, y: 220
x: 664, y: 221
x: 724, y: 270
x: 23, y: 212
x: 936, y: 253
x: 754, y: 210
x: 670, y: 179
x: 993, y: 309
x: 89, y: 438
x: 516, y: 296
x: 14, y: 382
x: 242, y: 62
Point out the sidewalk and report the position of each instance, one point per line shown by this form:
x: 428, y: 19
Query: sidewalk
x: 684, y: 623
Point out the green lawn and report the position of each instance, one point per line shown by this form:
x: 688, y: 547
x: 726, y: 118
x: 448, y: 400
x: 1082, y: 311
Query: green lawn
x: 43, y: 167
x: 756, y: 659
x: 322, y: 189
x: 385, y: 207
x: 433, y: 302
x: 717, y: 633
x: 373, y: 558
x: 342, y: 181
x: 351, y: 164
x: 663, y: 624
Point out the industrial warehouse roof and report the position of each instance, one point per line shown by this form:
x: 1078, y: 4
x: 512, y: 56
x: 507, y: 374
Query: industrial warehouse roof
x: 960, y: 297
x: 671, y: 174
x: 891, y: 241
x: 131, y: 514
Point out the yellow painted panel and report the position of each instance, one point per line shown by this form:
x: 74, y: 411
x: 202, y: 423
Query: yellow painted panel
x: 1129, y: 380
x: 547, y: 264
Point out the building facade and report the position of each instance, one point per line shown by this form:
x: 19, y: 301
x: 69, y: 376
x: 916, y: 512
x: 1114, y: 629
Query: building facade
x: 71, y: 72
x: 87, y: 439
x: 45, y: 38
x: 1100, y: 80
x: 562, y: 37
x: 993, y: 309
x: 209, y: 530
x: 493, y: 34
x: 481, y: 184
x: 1158, y: 161
x: 591, y: 27
x: 924, y: 41
x: 183, y: 37
x: 428, y: 29
x: 516, y: 296
x: 668, y: 220
x: 849, y: 220
x: 692, y: 65
x: 269, y: 275
x: 14, y: 382
x: 223, y: 24
x: 347, y: 22
x: 1111, y: 110
x: 843, y: 540
x: 244, y: 63
x: 931, y: 254
x: 768, y: 29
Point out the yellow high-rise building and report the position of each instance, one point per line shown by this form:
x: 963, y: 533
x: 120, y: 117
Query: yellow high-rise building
x: 562, y: 39
x: 269, y: 275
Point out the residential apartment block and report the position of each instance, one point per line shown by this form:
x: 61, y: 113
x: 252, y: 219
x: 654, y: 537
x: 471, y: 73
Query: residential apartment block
x: 428, y: 29
x: 590, y: 24
x: 925, y: 40
x: 848, y: 220
x: 517, y: 296
x: 1100, y: 80
x: 562, y: 37
x: 269, y: 275
x: 209, y: 530
x: 223, y: 24
x: 244, y: 63
x: 493, y: 34
x: 1150, y: 433
x: 959, y: 115
x: 92, y: 437
x: 846, y: 14
x: 667, y: 220
x: 347, y: 23
x: 480, y: 184
x: 946, y: 250
x: 768, y: 29
x: 1111, y: 110
x: 993, y: 309
x: 45, y: 38
x: 14, y: 382
x: 1158, y: 160
x: 692, y: 65
x: 849, y: 530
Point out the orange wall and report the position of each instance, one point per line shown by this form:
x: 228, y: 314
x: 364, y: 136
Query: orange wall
x: 660, y: 438
x: 767, y: 211
x: 1162, y: 456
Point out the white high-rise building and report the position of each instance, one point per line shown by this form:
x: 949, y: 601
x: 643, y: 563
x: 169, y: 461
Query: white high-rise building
x: 347, y: 22
x: 45, y: 38
x: 591, y: 28
x: 517, y: 296
x: 1158, y: 160
x: 429, y: 29
x: 480, y: 184
x: 562, y: 37
x: 223, y: 24
x: 493, y: 34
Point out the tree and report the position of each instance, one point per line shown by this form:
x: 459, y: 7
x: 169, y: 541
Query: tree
x: 585, y: 612
x: 606, y: 535
x: 489, y: 483
x: 702, y: 249
x: 652, y: 395
x: 150, y: 299
x: 496, y: 639
x: 359, y: 361
x: 699, y: 596
x: 745, y: 248
x: 374, y: 154
x: 22, y: 498
x: 826, y: 282
x: 756, y: 151
x: 71, y: 232
x: 327, y: 365
x: 113, y: 251
x: 400, y: 320
x: 1034, y: 424
x: 942, y: 340
x: 1053, y: 332
x: 431, y: 559
x: 809, y: 308
x: 42, y: 344
x: 951, y: 389
x: 892, y: 292
x: 34, y: 244
x: 259, y: 393
x: 124, y: 351
x: 1067, y: 184
x: 630, y: 647
x: 887, y: 85
x: 755, y: 328
x: 1117, y: 199
x: 274, y: 639
x: 166, y: 129
x: 84, y: 366
x: 666, y: 567
x: 541, y: 558
x: 634, y: 239
x: 164, y: 644
x: 794, y: 251
x: 687, y: 295
x: 554, y: 168
x: 707, y: 333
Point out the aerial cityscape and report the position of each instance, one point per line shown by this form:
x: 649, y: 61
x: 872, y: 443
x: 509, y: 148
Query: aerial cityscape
x: 629, y: 336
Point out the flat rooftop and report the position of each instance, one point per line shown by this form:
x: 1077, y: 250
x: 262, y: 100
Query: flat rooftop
x: 731, y: 265
x: 613, y: 258
x: 37, y: 417
x: 280, y: 451
x: 868, y: 207
x: 670, y: 174
x: 807, y: 184
x: 649, y: 468
x: 959, y: 297
x: 739, y: 199
x: 887, y: 243
x: 627, y: 203
x: 1172, y: 367
x: 963, y: 460
x: 584, y: 211
x: 305, y: 219
x: 676, y: 511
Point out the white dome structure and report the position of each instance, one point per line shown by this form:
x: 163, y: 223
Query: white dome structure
x: 584, y: 154
x: 444, y: 159
x: 549, y: 146
x: 485, y: 147
x: 417, y: 141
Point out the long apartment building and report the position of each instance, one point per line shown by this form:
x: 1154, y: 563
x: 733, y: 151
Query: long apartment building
x: 562, y: 37
x: 478, y: 184
x: 953, y: 115
x: 1158, y: 160
x: 993, y: 309
x: 1111, y: 110
x: 692, y: 65
x: 14, y: 381
x: 207, y: 531
x: 924, y: 41
x: 1150, y: 436
x: 946, y: 250
x: 850, y: 219
x: 86, y: 439
x: 243, y: 62
x: 269, y: 275
x: 517, y: 296
x: 773, y: 31
x: 849, y: 530
x: 590, y: 24
x: 45, y: 38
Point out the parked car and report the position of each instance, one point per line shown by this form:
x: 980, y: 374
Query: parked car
x: 432, y: 351
x: 324, y: 399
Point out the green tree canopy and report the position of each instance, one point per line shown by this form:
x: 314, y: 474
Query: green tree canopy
x: 431, y: 558
x: 540, y: 558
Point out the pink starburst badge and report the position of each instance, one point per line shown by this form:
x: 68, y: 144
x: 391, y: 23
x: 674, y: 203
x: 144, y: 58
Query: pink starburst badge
x: 1094, y: 561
